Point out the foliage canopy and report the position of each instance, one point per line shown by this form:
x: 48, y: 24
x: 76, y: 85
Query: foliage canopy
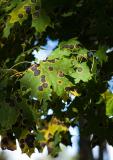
x: 78, y: 66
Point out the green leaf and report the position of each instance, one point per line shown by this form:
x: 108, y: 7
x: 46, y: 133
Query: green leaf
x: 108, y: 97
x: 60, y: 53
x: 82, y: 73
x: 47, y: 77
x: 8, y: 116
x: 41, y: 22
x: 40, y: 136
x: 101, y: 54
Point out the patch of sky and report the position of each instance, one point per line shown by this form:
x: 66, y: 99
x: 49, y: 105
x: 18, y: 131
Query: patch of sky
x: 110, y: 82
x: 45, y: 50
x: 109, y: 50
x: 50, y: 112
x: 110, y: 85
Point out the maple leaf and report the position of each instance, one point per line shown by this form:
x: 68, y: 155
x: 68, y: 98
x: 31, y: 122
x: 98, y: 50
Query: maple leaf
x: 108, y: 97
x: 82, y: 73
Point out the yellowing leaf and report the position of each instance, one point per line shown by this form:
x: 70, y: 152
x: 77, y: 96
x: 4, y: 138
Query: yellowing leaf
x: 75, y: 93
x: 53, y: 126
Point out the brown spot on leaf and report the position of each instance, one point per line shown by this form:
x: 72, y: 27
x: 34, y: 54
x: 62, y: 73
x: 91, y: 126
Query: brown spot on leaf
x: 67, y: 88
x: 59, y: 81
x: 40, y: 88
x: 33, y: 68
x: 20, y: 15
x: 37, y: 7
x: 43, y: 78
x: 36, y: 14
x: 36, y: 72
x: 68, y: 46
x: 45, y: 85
x: 44, y: 60
x: 79, y: 69
x: 61, y: 74
x: 50, y: 68
x: 51, y: 60
x: 28, y: 9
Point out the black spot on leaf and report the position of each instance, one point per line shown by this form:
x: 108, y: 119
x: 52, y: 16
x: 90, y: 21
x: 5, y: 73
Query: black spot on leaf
x: 67, y: 88
x: 30, y: 140
x: 61, y: 74
x: 45, y: 85
x: 78, y: 46
x: 37, y: 7
x: 20, y: 15
x: 36, y: 72
x: 22, y: 140
x: 37, y: 65
x: 50, y: 68
x: 40, y: 88
x: 33, y: 68
x: 44, y: 60
x: 36, y: 14
x: 79, y: 69
x: 68, y: 46
x: 59, y: 81
x: 51, y: 60
x: 43, y: 78
x: 28, y: 9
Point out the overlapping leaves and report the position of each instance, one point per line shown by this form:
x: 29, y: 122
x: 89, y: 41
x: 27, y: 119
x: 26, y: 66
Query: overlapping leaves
x: 20, y: 10
x: 50, y: 76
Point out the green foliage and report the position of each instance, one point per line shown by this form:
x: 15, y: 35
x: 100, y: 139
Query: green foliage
x: 8, y: 116
x: 79, y: 66
x: 108, y: 97
x: 82, y: 73
x: 21, y: 10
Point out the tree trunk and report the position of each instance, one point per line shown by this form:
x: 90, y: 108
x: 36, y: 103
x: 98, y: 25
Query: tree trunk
x: 84, y: 144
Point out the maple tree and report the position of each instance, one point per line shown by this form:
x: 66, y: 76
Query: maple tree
x: 78, y: 66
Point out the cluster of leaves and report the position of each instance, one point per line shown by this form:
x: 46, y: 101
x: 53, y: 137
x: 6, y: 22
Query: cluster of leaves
x: 28, y: 91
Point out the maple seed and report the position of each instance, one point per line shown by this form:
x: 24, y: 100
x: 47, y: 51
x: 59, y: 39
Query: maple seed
x: 20, y: 15
x: 40, y: 88
x: 79, y: 69
x: 50, y: 68
x: 36, y: 72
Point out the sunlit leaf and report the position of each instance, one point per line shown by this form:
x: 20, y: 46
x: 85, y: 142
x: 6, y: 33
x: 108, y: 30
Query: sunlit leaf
x: 108, y: 97
x: 82, y: 73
